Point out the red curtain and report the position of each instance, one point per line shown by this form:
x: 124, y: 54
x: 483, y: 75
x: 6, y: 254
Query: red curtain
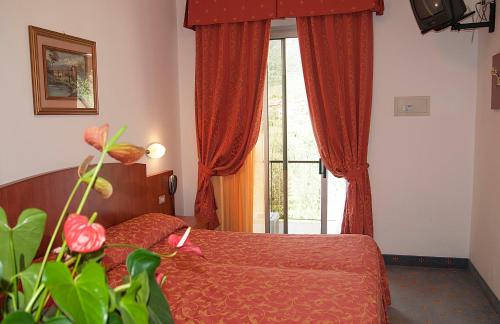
x: 337, y: 59
x: 303, y: 8
x: 204, y: 12
x: 230, y: 73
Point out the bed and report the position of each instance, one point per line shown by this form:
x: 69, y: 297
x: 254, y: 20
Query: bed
x: 261, y: 278
x: 242, y: 278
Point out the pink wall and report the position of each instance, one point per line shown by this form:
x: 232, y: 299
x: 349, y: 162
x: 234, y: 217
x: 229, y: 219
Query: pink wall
x: 189, y: 155
x: 422, y: 167
x: 137, y: 72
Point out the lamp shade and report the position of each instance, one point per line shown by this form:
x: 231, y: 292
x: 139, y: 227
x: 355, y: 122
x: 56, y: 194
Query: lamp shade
x: 155, y: 151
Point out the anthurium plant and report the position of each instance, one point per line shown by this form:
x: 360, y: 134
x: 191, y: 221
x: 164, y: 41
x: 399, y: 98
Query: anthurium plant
x: 73, y: 287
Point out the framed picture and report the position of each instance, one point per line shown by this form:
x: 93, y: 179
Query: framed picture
x: 495, y: 83
x: 64, y: 73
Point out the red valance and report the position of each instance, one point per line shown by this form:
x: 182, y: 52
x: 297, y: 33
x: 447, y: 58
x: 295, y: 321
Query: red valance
x: 210, y: 12
x: 308, y: 8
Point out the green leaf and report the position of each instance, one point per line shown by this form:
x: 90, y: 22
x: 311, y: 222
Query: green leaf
x: 25, y: 239
x: 158, y: 308
x: 132, y: 305
x: 112, y: 300
x: 115, y: 318
x: 19, y: 318
x: 4, y: 284
x: 28, y: 234
x: 20, y: 300
x: 84, y: 300
x: 28, y: 279
x: 142, y: 260
x: 132, y: 312
x: 3, y: 216
x: 10, y: 301
x: 58, y: 320
x: 139, y: 288
x: 5, y: 256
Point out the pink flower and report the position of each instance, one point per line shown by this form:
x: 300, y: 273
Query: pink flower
x: 97, y: 136
x: 183, y: 244
x: 81, y: 236
x: 123, y: 152
x: 126, y: 153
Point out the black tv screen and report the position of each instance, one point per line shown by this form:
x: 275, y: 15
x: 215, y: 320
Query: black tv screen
x: 437, y: 14
x: 428, y: 8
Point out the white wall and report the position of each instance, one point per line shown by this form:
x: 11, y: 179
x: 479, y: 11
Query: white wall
x: 485, y: 232
x: 421, y: 168
x: 189, y: 154
x: 137, y: 74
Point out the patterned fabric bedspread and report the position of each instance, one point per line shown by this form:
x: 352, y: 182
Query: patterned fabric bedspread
x: 262, y: 278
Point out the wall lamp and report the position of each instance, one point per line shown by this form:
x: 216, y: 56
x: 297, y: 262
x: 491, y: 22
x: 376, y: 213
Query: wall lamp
x: 155, y: 151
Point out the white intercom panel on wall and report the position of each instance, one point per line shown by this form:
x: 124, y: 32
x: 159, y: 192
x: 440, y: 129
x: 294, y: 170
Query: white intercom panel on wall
x: 412, y: 106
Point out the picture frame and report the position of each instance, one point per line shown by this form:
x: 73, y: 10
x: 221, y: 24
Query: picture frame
x: 64, y: 73
x: 495, y: 83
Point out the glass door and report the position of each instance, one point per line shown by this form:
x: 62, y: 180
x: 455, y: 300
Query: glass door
x: 299, y: 201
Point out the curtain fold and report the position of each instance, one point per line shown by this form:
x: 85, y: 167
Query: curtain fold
x: 337, y: 59
x: 230, y: 74
x: 234, y: 197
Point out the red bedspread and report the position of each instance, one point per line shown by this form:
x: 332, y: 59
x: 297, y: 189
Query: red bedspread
x: 261, y: 278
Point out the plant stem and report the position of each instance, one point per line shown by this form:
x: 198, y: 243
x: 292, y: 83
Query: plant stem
x: 33, y: 299
x: 70, y: 261
x: 42, y: 287
x: 56, y: 230
x: 115, y: 138
x: 122, y: 245
x: 15, y: 295
x: 131, y: 246
x: 76, y: 264
x: 122, y: 287
x: 92, y: 218
x: 44, y: 299
x: 61, y: 253
x: 91, y: 183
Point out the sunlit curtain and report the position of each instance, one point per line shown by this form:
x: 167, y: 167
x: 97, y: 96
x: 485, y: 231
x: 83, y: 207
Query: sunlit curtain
x: 259, y: 175
x: 234, y: 197
x: 241, y: 198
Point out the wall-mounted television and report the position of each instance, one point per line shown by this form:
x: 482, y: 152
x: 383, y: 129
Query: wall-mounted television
x: 437, y: 14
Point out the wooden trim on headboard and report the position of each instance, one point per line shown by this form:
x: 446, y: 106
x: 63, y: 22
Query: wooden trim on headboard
x: 133, y: 194
x: 158, y: 186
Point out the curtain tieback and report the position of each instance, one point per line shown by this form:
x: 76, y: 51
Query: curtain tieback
x: 356, y: 172
x: 205, y: 171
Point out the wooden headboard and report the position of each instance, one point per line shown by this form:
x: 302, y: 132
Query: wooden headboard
x: 134, y: 194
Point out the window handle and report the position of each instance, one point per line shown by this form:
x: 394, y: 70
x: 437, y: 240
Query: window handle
x: 322, y: 169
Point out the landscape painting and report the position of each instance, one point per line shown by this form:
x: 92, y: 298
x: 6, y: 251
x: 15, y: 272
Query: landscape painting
x: 68, y: 76
x: 63, y: 73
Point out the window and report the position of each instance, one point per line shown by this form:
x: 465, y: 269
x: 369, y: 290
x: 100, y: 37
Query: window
x: 301, y: 196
